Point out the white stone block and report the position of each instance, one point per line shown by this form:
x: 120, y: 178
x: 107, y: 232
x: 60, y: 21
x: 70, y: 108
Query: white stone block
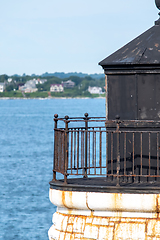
x: 61, y: 222
x: 78, y: 225
x: 77, y: 236
x: 97, y: 221
x: 89, y: 219
x: 105, y: 233
x: 62, y: 236
x: 91, y: 232
x: 64, y: 223
x: 126, y: 231
x: 53, y: 234
x: 71, y: 219
x: 55, y: 218
x: 153, y: 228
x: 68, y: 236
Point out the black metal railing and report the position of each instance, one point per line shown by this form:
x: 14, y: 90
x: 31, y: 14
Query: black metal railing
x: 121, y: 151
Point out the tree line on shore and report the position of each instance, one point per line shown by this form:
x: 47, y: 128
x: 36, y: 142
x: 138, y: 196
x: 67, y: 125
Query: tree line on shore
x: 80, y: 89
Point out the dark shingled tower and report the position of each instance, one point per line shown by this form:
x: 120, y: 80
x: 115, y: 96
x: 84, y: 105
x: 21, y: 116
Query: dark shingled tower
x: 133, y: 77
x: 133, y: 92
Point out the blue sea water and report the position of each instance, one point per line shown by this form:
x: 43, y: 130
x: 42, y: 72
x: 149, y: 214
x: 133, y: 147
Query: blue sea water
x: 26, y: 158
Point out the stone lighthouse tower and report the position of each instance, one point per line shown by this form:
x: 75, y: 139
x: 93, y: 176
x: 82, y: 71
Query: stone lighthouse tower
x: 106, y: 173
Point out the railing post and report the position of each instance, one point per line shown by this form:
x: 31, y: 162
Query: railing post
x: 118, y: 149
x: 86, y: 144
x: 55, y: 146
x: 66, y: 149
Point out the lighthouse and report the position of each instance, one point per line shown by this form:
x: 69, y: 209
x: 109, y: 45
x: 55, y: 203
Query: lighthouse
x: 106, y: 171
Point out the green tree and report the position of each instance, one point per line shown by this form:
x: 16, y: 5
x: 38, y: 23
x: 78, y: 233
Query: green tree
x: 3, y: 78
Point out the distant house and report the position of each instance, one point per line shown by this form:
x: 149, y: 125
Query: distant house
x: 40, y: 81
x: 9, y: 80
x: 2, y: 87
x: 29, y: 87
x: 56, y: 88
x: 68, y: 84
x: 95, y: 90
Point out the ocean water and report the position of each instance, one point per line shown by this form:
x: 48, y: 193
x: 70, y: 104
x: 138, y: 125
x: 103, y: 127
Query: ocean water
x: 26, y: 158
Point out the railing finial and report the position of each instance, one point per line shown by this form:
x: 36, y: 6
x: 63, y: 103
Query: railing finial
x: 55, y: 120
x: 66, y: 117
x: 86, y: 115
x: 56, y: 115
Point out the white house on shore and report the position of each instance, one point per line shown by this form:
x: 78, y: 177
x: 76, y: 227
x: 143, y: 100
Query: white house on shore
x: 40, y: 81
x: 95, y: 90
x: 29, y: 87
x: 9, y: 80
x: 68, y: 84
x: 56, y: 88
x: 2, y: 87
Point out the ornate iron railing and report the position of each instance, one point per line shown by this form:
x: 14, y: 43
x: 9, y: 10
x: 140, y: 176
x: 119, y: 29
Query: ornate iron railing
x: 121, y: 151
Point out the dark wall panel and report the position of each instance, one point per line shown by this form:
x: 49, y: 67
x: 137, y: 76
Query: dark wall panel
x: 148, y: 96
x: 122, y: 97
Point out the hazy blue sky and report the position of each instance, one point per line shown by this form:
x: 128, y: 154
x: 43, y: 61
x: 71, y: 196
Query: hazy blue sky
x: 40, y: 36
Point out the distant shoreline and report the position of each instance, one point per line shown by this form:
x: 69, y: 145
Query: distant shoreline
x: 38, y: 98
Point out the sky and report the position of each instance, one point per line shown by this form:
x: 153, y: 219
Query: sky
x: 39, y: 36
